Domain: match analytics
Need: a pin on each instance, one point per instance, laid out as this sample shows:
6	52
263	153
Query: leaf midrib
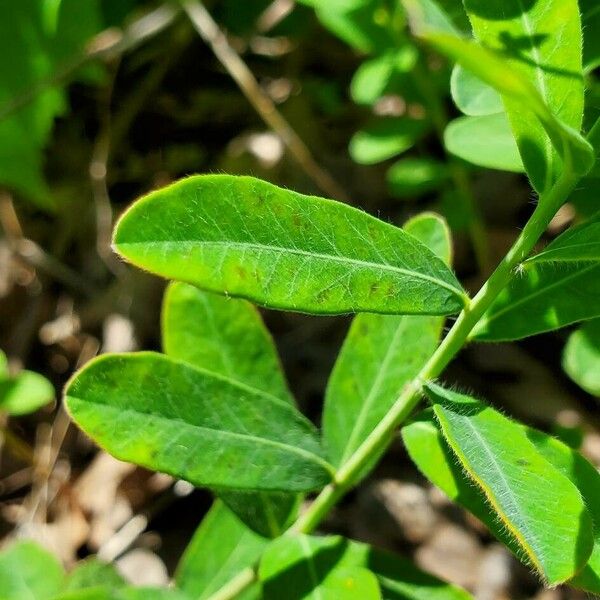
265	441
317	255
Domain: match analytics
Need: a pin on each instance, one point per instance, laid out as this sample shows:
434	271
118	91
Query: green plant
215	408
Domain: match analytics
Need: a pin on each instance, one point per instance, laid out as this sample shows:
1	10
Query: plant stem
454	341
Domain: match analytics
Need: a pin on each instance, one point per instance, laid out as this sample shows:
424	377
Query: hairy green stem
454	341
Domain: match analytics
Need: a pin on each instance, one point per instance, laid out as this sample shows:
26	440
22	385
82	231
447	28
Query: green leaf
485	141
536	138
385	138
289	559
34	53
168	416
221	547
432	230
149	593
534	47
472	96
28	572
24	393
411	177
557	287
431	15
380	355
363	24
93	572
373	77
301	567
4	374
283	249
590	24
581	357
227	336
430	452
224	335
515	479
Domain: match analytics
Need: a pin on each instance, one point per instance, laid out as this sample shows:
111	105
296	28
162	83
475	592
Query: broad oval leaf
168	416
411	177
228	337
221	547
557	287
472	96
24	393
29	572
516	479
485	141
581	357
302	567
432	455
380	354
532	35
372	79
92	572
386	138
244	237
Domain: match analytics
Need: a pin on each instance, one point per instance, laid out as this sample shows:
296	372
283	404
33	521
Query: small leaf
221	547
535	138
532	40
515	480
557	287
168	416
386	138
248	238
93	572
25	393
380	355
411	177
431	16
28	572
301	567
472	96
581	357
484	141
227	336
373	77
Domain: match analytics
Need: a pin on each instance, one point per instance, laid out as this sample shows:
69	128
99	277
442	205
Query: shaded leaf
374	75
485	141
222	546
385	138
289	558
28	572
283	249
301	567
168	416
557	287
410	177
590	24
380	355
223	335
581	357
533	39
515	479
227	336
472	96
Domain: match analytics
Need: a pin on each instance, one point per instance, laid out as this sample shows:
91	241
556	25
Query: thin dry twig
210	32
